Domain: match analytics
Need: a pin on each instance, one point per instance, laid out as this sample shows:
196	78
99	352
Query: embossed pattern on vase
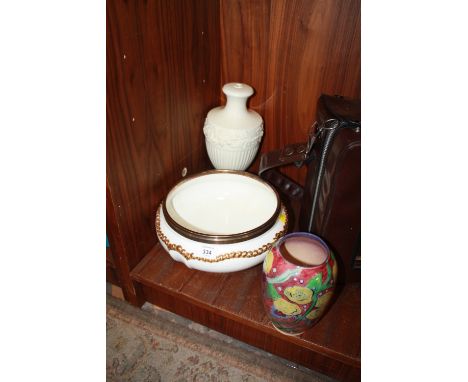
232	149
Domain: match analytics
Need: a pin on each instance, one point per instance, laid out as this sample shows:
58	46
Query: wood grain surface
291	52
163	76
111	271
117	265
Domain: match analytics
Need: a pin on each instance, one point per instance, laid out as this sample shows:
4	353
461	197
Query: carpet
151	345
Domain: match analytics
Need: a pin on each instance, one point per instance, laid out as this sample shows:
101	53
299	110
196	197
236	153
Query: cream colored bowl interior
221	203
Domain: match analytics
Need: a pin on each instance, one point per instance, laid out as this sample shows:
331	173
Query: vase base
286	333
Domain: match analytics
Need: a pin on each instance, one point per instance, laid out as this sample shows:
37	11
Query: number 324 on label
209	252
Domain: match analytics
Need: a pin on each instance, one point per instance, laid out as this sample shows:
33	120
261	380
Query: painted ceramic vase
296	296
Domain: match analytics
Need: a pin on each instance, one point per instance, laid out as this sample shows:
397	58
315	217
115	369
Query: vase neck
236	105
237	95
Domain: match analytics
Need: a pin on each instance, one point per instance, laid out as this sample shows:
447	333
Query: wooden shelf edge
136	276
351	361
275	345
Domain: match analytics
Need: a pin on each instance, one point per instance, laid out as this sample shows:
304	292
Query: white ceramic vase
233	132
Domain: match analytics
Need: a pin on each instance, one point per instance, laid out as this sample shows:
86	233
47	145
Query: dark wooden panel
109	260
245	29
111	273
111	276
291	52
163	75
117	268
332	346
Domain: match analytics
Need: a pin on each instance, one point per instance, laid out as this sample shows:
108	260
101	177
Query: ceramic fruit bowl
220	221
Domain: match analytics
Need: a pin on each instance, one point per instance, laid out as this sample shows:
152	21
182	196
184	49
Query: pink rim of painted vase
307	235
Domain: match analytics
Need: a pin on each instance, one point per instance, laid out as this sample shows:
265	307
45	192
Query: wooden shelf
231	303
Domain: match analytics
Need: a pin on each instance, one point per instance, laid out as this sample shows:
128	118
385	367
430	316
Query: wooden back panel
291	52
163	75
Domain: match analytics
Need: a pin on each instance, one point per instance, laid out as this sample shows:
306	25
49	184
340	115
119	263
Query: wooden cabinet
166	63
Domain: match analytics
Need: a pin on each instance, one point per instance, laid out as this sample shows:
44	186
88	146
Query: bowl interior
222	203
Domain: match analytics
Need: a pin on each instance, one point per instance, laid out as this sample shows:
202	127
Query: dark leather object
330	201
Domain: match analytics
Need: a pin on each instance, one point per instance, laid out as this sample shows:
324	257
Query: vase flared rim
310	236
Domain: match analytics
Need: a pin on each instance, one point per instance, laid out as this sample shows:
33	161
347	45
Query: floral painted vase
296	296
